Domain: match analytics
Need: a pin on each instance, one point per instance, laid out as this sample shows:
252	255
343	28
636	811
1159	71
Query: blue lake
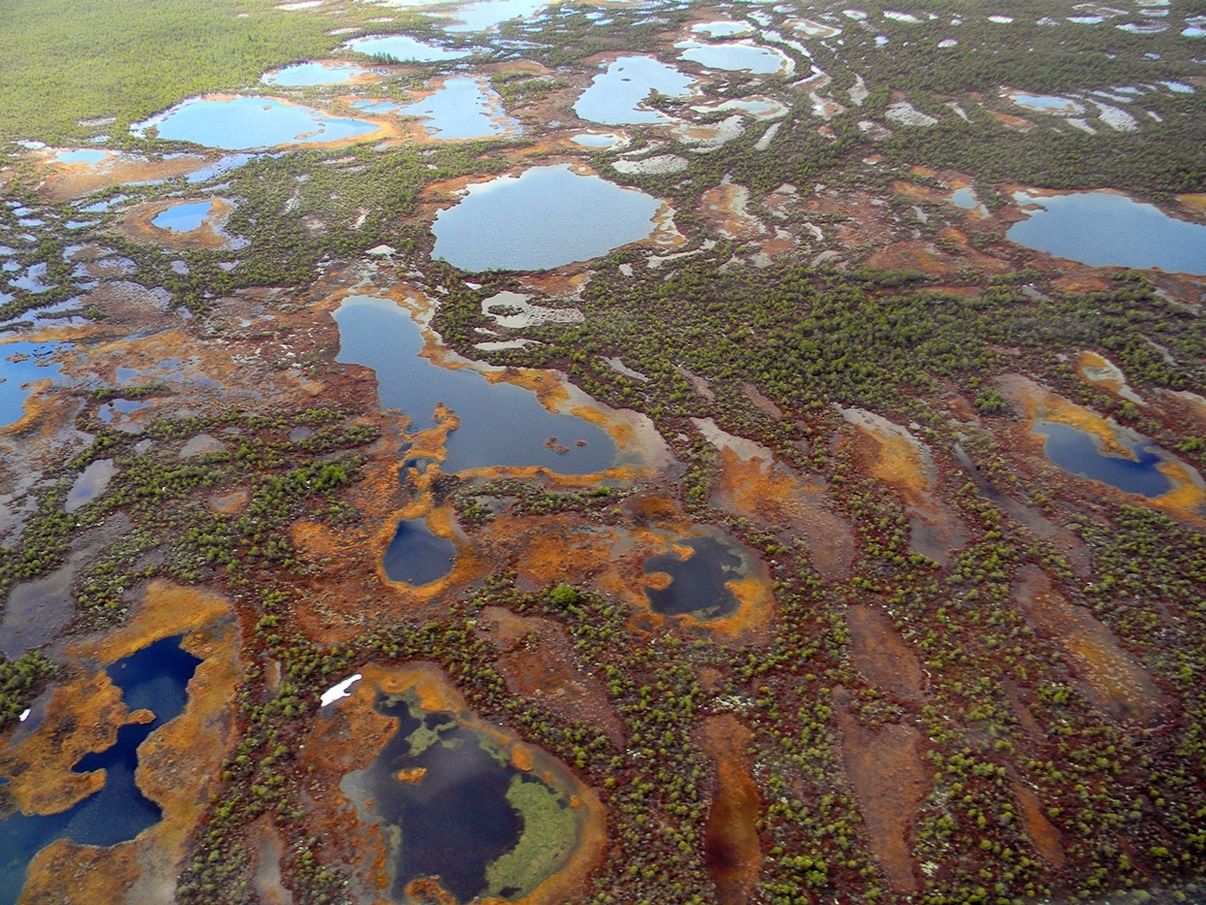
404	49
183	218
699	584
81	156
416	556
965	198
1103	229
1080	453
614	96
17	374
500	423
733	57
462	108
544	218
301	75
242	123
594	140
155	678
487	15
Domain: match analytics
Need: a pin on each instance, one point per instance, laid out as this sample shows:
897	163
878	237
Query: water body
89	157
722	29
155	678
544	218
447	797
90	483
699	584
500	423
462	107
487	15
1046	103
734	57
34	363
1103	229
243	123
416	556
404	49
183	218
965	198
1080	453
597	140
614	97
301	75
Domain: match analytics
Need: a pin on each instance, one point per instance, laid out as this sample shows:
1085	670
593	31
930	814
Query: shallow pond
489	14
183	218
89	484
241	123
454	806
544	218
1104	229
404	49
614	97
1081	453
597	140
735	57
1045	103
699	584
155	678
724	29
302	75
462	107
500	423
415	556
965	198
89	157
34	362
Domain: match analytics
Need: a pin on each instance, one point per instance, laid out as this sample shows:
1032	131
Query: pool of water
449	800
965	198
183	218
90	483
416	556
500	423
242	123
90	157
301	75
1103	229
724	29
35	363
404	49
699	584
614	96
155	678
487	15
597	140
1081	454
1045	103
462	107
544	218
735	57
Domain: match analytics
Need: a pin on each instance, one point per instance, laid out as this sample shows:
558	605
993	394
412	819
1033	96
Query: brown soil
731	847
881	655
1047	840
885	770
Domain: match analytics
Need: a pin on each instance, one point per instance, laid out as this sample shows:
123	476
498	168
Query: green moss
549	834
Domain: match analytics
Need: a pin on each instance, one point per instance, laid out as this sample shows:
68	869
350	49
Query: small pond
500	423
544	218
698	584
1081	453
415	556
614	97
965	198
241	123
155	678
453	806
34	362
487	15
89	484
1103	229
1045	103
87	156
603	140
183	218
404	49
301	75
462	107
735	57
724	29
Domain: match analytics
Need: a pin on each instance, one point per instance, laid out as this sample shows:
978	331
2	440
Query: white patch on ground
767	137
1001	20
905	114
339	690
301	4
874	130
858	91
896	16
528	315
501	345
25	714
712	135
661	165
758	107
856	14
947	42
1118	120
1082	125
1110	373
617	365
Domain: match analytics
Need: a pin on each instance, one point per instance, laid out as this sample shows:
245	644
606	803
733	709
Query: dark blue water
698	585
155	678
500	423
1102	229
15	375
455	820
416	556
543	218
1080	453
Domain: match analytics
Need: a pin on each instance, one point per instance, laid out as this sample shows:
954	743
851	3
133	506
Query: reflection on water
1101	228
544	218
500	423
155	678
698	584
415	556
1081	453
22	364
